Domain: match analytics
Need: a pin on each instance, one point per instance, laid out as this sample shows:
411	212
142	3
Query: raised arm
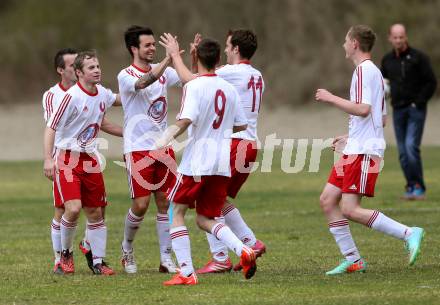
363	110
193	52
169	42
152	75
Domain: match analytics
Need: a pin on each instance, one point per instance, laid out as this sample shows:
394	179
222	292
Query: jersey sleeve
263	85
240	116
364	85
172	77
46	105
126	82
60	113
190	105
111	97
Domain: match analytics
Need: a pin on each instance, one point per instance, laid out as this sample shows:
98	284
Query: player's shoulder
55	89
224	69
72	91
255	71
129	71
210	81
225	85
102	88
48	91
368	68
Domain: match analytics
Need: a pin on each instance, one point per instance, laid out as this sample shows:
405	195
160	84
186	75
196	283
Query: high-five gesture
171	45
193	45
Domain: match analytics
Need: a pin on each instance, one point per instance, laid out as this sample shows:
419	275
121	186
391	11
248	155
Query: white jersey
78	117
213	106
249	84
145	110
51	99
365	135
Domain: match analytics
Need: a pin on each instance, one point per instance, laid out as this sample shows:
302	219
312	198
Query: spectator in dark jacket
412	83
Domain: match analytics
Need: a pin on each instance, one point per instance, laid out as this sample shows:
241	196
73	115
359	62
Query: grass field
282	208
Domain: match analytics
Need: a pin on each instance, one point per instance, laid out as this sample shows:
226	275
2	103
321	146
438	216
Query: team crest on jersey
85	109
102	106
88	135
158	109
72	117
162	80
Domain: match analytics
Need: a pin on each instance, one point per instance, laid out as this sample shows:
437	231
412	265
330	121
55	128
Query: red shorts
78	176
243	154
208	195
150	171
356	174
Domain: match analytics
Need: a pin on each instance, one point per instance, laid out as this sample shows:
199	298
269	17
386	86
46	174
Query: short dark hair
208	52
246	41
78	64
364	35
59	57
131	36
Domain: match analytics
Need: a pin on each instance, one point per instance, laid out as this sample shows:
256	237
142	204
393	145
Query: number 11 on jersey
256	86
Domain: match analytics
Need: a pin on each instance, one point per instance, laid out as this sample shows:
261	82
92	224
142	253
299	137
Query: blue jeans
408	126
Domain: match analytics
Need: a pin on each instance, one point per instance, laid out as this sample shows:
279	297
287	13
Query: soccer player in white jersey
143	87
74	164
355	174
210	111
63	60
248	81
51	98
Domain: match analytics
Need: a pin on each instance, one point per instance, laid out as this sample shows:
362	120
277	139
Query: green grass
282	208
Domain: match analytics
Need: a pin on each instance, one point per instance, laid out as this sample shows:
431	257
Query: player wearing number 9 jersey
248	81
211	111
143	88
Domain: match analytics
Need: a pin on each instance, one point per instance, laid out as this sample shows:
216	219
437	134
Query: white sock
132	223
384	224
234	220
224	234
68	230
341	232
163	234
55	233
97	235
218	249
182	249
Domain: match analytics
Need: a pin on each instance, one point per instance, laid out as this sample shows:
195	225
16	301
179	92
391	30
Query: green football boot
349	267
413	244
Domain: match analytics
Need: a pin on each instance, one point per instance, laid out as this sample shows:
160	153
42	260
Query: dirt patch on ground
21	127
